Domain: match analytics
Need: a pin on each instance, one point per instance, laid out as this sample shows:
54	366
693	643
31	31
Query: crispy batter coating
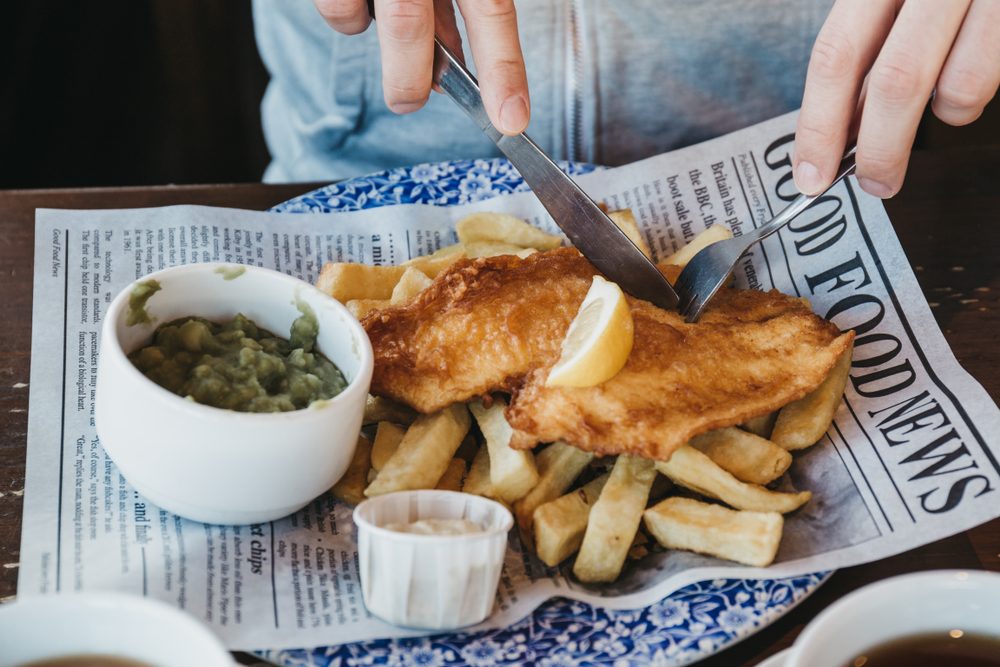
481	326
752	352
497	324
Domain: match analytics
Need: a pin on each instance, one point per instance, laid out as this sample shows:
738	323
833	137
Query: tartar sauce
437	527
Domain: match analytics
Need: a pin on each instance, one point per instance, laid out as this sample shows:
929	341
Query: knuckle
833	56
405	96
814	132
498	10
964	88
355	26
505	70
897	78
877	162
338	12
406	20
956	117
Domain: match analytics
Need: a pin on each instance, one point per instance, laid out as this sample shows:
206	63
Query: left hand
873	68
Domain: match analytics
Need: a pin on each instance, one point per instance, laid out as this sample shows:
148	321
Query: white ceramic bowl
215	465
432	582
936	601
124	626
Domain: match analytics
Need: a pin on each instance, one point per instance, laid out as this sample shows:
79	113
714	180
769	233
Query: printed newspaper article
911	456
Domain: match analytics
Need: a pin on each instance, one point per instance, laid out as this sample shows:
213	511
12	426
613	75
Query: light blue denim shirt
611	82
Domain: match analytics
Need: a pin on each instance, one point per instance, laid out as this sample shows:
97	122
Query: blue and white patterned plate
688	625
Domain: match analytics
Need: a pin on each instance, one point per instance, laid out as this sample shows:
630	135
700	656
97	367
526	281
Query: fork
711	267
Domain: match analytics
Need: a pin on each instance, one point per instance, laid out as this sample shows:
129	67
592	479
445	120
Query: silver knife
586	225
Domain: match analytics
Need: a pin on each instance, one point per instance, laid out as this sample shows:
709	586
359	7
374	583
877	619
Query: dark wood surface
947	217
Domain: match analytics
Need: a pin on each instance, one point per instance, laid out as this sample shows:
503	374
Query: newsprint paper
911	456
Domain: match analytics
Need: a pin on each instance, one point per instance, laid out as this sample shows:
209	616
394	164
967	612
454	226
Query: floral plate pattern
690	624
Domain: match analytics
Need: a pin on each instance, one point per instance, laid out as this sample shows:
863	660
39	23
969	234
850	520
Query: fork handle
802	202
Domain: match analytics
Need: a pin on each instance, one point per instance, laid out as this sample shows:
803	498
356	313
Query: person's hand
874	66
406	35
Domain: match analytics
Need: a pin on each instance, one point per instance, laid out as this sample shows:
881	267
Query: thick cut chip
351	487
512	472
378	409
360	308
558	466
614	520
411	283
455	249
424	453
433	264
387	439
494	249
504	228
751	538
453	476
762	425
713	234
346	281
747	457
802	423
625	221
497	324
477	482
560	524
694	470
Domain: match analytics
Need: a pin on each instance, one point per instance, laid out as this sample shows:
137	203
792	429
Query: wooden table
948	218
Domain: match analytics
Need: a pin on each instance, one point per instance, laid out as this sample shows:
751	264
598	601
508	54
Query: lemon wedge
598	341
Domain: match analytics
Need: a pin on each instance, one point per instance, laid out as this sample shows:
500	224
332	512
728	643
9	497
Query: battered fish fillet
481	326
497	324
750	353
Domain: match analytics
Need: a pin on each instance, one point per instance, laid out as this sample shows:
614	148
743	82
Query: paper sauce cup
431	582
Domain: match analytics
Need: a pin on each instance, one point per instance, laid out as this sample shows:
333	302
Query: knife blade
587	226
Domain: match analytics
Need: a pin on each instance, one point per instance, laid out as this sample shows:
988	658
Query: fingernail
807	178
513	115
873	187
405	107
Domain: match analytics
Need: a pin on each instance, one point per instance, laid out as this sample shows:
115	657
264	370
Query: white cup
431	582
911	604
124	626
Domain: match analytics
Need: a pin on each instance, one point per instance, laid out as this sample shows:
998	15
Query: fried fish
480	327
497	324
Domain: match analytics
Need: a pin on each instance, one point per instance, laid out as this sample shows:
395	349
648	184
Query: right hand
406	36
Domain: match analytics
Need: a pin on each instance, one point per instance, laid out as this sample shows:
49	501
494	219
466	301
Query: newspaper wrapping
911	456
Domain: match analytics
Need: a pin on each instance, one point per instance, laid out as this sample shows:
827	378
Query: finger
446	27
845	48
852	132
406	43
492	28
899	87
971	74
346	16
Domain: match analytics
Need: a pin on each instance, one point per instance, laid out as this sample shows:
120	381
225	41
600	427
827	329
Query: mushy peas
240	366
